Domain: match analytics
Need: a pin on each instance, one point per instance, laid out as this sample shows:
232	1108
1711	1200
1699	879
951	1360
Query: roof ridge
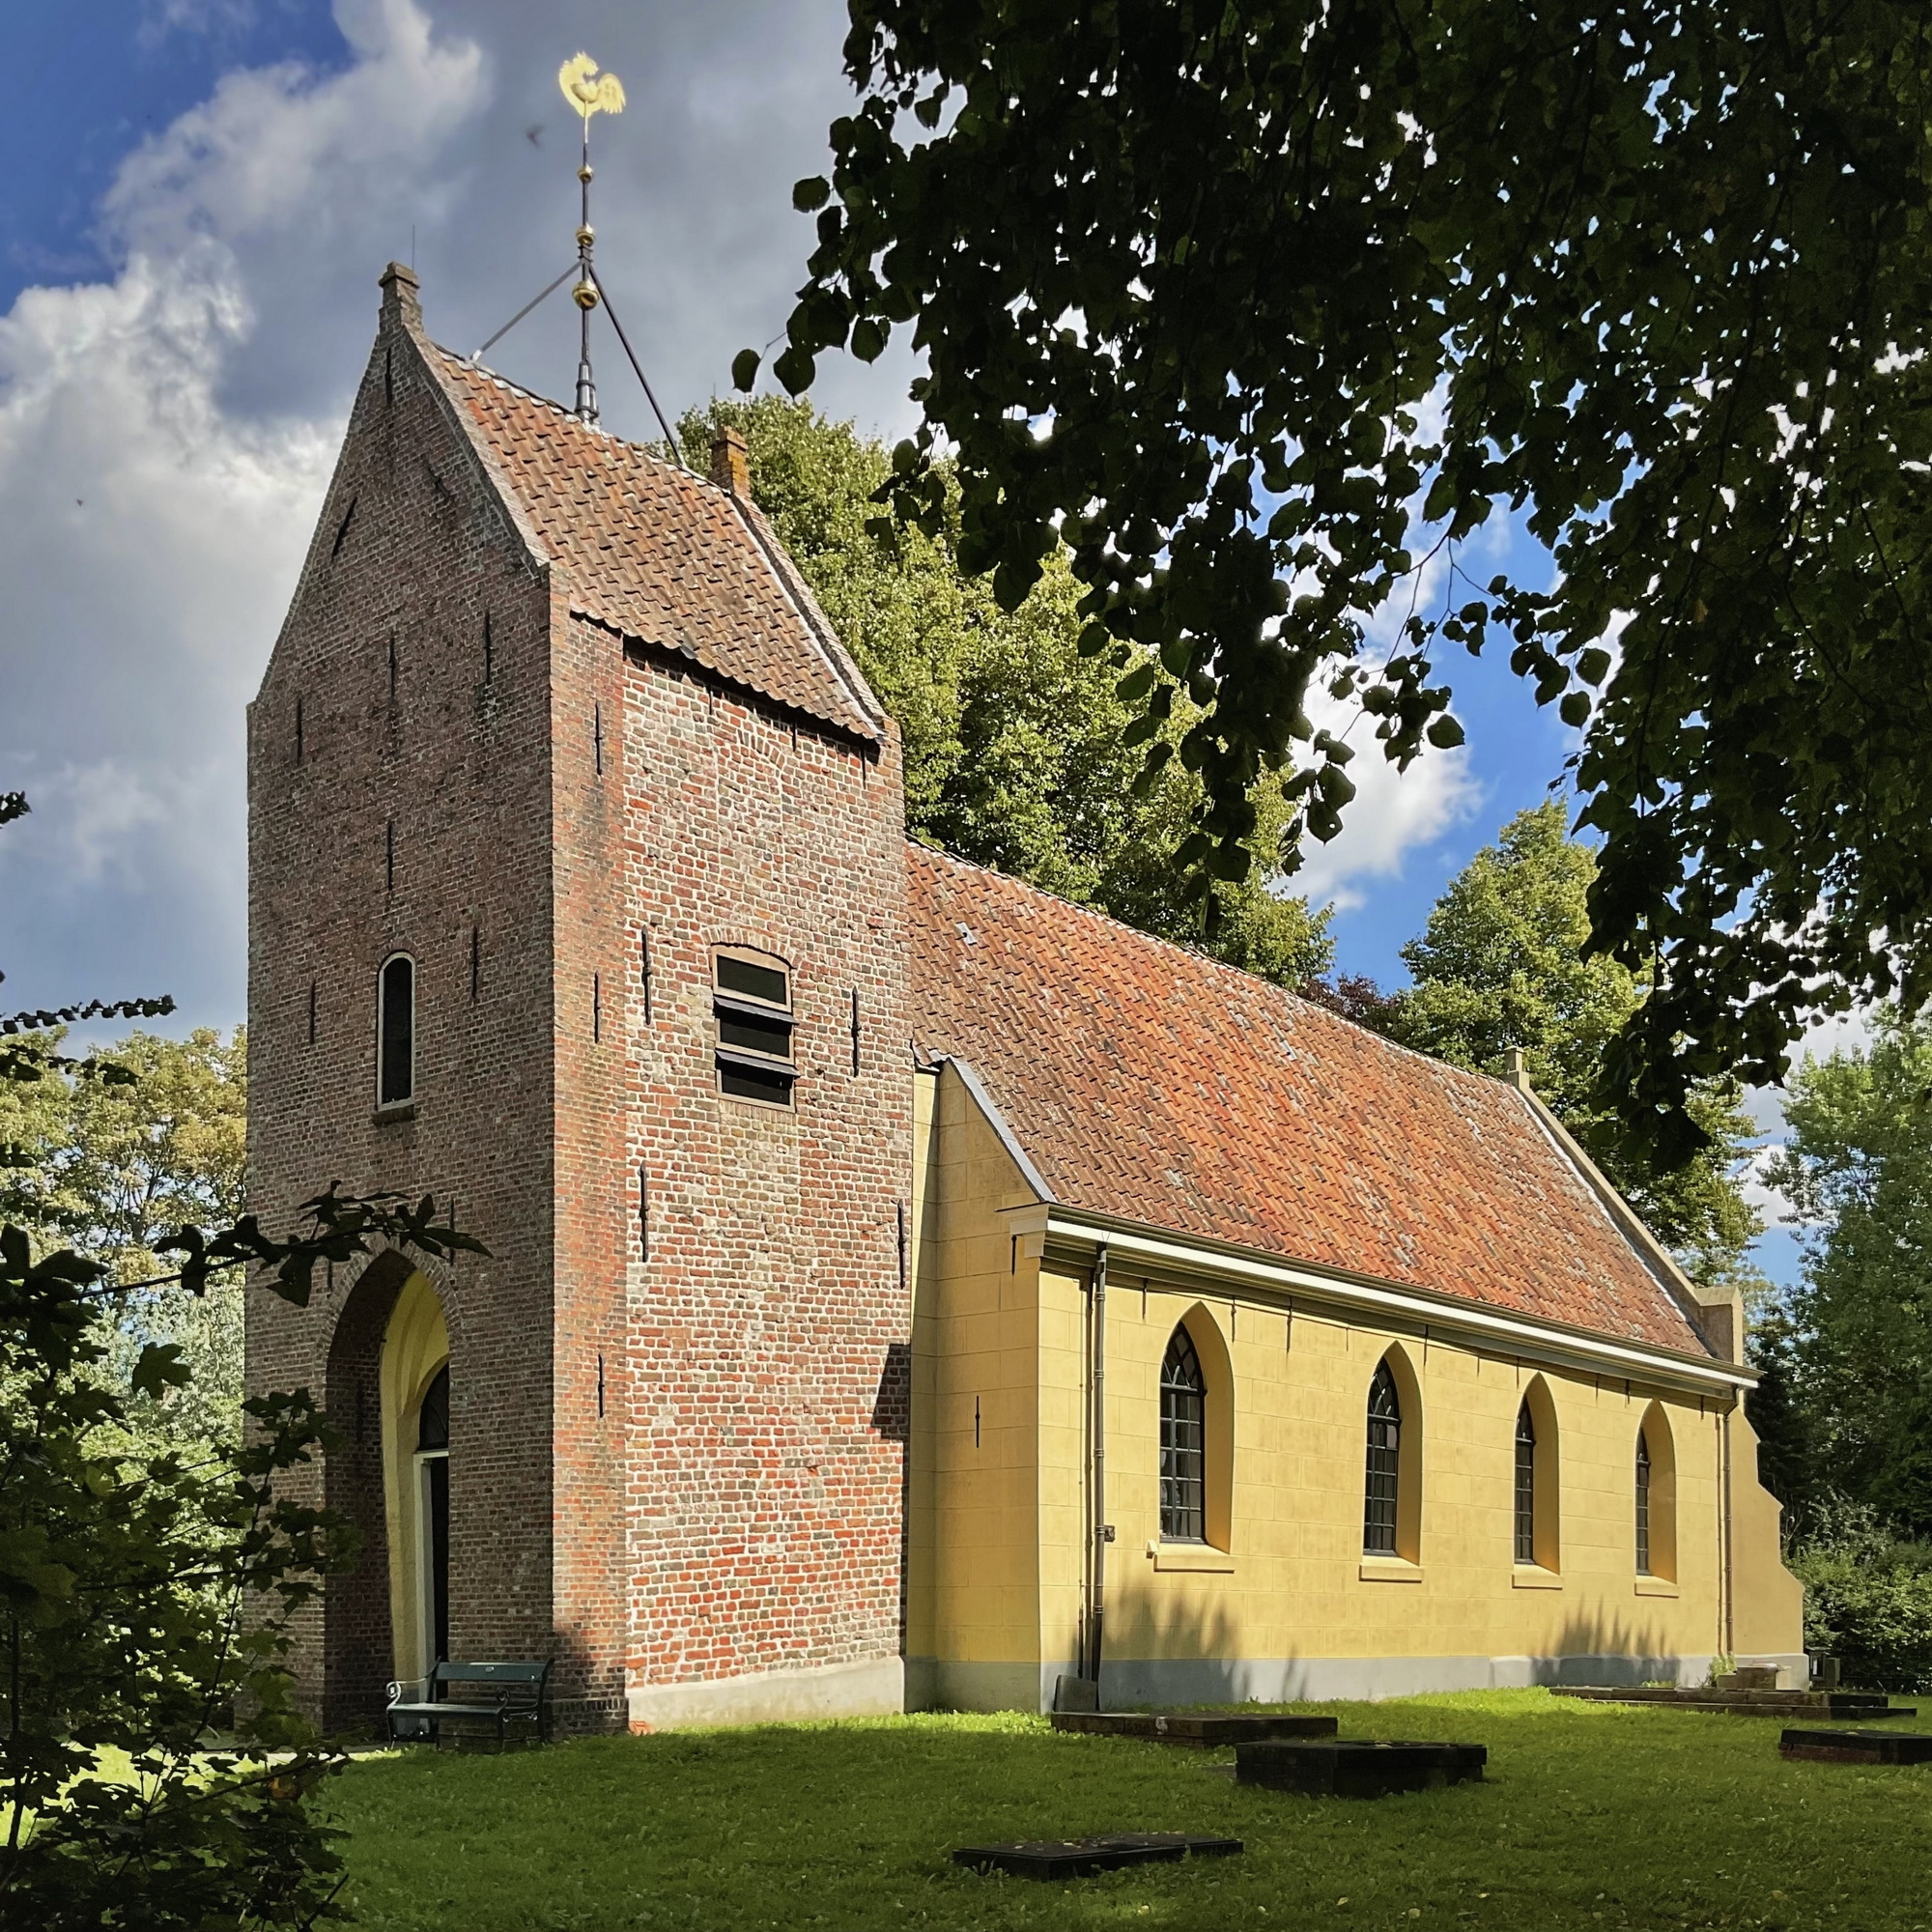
644	449
1203	958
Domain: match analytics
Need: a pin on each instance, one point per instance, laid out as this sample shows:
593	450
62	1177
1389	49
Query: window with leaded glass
1184	1443
1385	1465
1642	1505
1526	1486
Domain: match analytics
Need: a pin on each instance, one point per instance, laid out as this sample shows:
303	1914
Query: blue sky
198	196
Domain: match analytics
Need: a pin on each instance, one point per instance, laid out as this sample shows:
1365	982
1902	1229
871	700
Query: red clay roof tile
661	556
1152	1084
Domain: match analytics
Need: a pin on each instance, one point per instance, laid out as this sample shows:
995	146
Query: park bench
510	1693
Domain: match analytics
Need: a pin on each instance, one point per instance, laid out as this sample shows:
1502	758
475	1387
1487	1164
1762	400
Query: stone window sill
1200	1558
1533	1577
1656	1587
1390	1570
396	1109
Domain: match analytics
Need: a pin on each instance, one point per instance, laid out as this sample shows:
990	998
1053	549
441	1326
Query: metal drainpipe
1101	1533
1730	1579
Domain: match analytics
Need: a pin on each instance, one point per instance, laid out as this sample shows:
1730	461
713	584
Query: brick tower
578	898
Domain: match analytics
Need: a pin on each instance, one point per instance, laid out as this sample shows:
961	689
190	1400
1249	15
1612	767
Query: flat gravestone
1860	1706
1197	1730
1080	1858
1356	1767
1857	1747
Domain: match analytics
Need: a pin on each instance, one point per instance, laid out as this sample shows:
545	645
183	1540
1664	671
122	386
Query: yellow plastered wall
1294	1582
999	1521
973	1636
415	1346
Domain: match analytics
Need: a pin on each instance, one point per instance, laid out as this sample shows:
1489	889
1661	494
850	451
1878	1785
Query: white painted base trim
938	1684
873	1687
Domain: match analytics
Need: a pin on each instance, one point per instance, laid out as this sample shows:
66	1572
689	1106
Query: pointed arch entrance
390	1344
415	1476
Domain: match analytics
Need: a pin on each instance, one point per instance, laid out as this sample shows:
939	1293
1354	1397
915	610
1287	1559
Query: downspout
1100	1530
1731	1579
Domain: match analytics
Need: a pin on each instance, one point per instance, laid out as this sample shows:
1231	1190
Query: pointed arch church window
1381	1485
1525	1484
1643	1568
1184	1443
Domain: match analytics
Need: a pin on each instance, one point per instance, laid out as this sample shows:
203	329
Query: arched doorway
415	1477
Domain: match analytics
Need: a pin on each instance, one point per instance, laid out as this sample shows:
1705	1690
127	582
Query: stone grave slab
1356	1767
1081	1858
1856	1746
1196	1730
1858	1706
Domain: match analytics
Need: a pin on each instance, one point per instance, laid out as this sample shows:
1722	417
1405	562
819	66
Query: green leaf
795	369
810	193
158	1368
745	370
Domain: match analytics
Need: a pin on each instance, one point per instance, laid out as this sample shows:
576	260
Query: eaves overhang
1073	1235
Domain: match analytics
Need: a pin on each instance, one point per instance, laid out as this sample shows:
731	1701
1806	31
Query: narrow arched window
1385	1465
1183	1451
1525	1484
1642	1505
396	1032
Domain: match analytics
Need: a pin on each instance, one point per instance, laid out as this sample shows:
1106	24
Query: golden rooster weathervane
589	92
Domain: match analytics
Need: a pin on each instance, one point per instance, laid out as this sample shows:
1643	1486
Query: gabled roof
1149	1084
659	555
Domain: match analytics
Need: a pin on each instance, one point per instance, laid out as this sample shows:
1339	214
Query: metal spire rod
671	438
478	355
585	291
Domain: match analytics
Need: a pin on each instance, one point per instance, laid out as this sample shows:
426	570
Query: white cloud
165	436
1392	814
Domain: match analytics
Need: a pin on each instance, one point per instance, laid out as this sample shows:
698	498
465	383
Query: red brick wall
458	763
768	1326
737	1507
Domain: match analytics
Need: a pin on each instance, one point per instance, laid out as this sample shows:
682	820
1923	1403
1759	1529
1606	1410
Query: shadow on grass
1591	1815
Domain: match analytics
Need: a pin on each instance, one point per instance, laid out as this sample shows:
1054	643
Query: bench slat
491	1673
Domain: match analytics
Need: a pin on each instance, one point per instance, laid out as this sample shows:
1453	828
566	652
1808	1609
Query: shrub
1869	1600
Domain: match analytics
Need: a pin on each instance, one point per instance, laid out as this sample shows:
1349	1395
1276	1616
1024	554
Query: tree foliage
1505	963
109	1168
153	1774
1858	1169
154	1769
1019	751
1252	307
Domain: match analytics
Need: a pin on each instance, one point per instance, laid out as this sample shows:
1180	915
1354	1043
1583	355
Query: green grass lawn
1591	1815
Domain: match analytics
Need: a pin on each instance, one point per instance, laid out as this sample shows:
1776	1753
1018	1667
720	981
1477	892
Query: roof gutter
1078	1234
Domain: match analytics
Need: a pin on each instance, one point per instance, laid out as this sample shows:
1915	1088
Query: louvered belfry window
1184	1443
1385	1465
1642	1505
752	1001
1526	1486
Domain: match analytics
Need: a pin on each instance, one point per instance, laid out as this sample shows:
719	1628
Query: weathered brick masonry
678	1409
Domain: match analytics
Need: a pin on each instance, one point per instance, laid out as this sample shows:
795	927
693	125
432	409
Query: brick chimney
730	469
402	297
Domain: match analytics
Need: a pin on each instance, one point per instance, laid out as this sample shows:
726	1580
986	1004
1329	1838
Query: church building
904	1288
